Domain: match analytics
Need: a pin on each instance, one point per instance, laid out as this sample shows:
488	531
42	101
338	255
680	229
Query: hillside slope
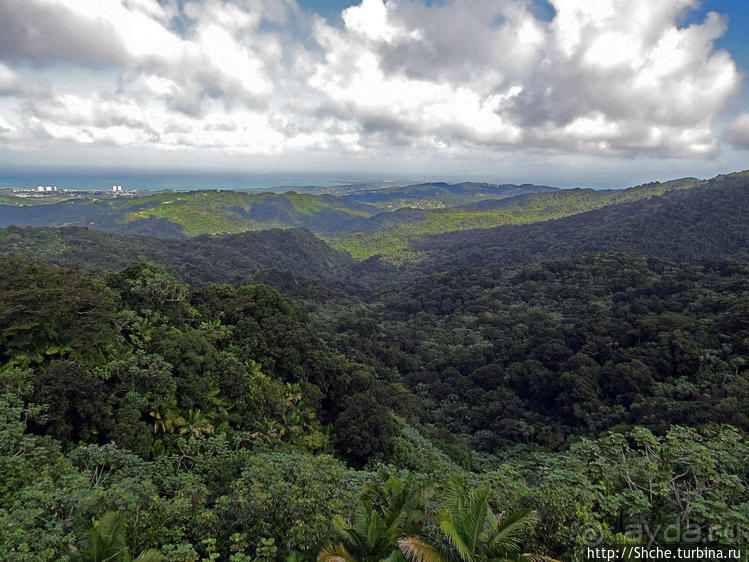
364	223
390	235
441	194
200	260
692	225
180	214
704	223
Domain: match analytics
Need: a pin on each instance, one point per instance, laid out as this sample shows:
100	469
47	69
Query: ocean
158	180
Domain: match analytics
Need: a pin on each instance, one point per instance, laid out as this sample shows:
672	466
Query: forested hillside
560	348
363	223
700	223
707	222
199	260
441	194
180	214
260	396
197	422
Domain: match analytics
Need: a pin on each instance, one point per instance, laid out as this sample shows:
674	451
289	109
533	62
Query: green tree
291	498
396	500
369	538
194	425
474	533
106	542
391	509
365	429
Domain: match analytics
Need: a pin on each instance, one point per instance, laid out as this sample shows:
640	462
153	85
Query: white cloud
611	77
118	120
737	131
5	127
9	81
607	77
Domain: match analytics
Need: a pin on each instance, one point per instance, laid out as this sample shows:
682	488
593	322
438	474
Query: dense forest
513	393
361	222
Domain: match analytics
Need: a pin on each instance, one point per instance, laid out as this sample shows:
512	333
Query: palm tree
368	539
167	419
387	527
105	542
474	533
195	425
392	497
390	510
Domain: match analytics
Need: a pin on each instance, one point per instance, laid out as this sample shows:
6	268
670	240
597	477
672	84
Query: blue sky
565	92
735	37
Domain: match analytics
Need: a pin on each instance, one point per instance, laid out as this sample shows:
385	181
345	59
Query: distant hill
686	220
705	223
362	222
192	213
441	194
390	235
199	260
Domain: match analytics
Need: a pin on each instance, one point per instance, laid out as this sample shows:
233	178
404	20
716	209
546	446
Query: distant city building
117	188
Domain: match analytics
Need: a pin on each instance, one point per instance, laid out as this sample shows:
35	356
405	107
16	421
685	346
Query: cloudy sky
605	92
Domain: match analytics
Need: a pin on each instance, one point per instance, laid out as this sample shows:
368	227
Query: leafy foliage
534	406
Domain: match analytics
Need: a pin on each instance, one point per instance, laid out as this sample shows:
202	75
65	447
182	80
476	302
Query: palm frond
453	534
150	555
475	517
394	556
417	550
454	493
528	557
335	553
111	528
508	530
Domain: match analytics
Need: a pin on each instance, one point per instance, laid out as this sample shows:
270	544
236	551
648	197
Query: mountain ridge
690	225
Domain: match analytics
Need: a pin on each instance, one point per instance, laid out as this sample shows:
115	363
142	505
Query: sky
608	93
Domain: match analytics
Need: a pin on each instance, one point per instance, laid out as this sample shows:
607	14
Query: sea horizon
150	180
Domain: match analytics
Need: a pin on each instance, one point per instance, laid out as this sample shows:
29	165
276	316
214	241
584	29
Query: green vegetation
144	418
381	222
580	346
196	212
198	260
260	396
439	195
393	241
391	246
206	212
178	214
690	225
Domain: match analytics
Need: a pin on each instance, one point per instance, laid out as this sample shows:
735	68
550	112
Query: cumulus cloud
44	32
737	131
5	127
184	54
608	77
9	81
611	77
118	120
